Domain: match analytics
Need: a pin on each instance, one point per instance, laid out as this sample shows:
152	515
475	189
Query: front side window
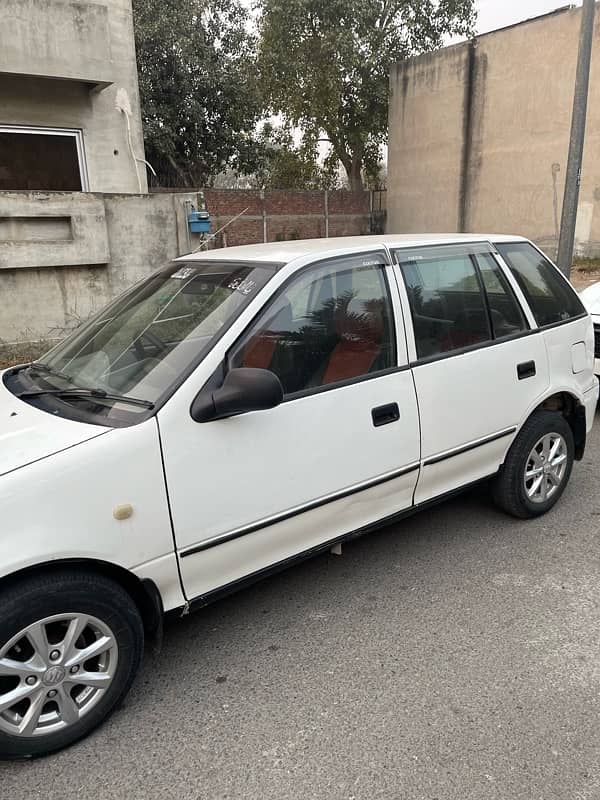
446	301
145	342
550	297
331	323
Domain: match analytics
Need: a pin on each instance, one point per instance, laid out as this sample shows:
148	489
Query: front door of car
479	369
339	453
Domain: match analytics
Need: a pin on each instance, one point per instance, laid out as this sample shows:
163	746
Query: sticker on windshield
244	286
184	273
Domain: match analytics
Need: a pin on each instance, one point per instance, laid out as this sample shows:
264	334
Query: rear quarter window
550	297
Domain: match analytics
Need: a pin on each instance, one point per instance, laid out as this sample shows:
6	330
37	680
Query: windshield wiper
39	366
98	394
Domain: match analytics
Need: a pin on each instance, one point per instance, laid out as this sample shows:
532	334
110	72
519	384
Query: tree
198	90
325	64
287	165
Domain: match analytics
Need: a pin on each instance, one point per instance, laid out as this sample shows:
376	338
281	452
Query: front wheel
70	645
537	468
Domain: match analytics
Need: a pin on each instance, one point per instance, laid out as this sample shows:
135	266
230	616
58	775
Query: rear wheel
70	646
538	466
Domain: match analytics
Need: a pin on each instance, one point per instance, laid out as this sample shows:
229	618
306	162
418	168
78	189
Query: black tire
509	488
27	601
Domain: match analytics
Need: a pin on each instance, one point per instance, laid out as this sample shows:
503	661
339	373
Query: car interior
342	328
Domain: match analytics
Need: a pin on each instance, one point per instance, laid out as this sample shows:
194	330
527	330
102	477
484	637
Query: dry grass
22	352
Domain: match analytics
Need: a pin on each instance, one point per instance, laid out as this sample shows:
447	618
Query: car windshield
144	342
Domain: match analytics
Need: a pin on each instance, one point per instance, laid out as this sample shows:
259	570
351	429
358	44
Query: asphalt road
452	657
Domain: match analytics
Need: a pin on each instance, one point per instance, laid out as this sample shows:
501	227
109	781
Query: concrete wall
479	135
61	65
141	233
57	40
426	142
65	255
54	229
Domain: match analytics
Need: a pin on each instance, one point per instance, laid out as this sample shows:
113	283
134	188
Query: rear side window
550	297
506	314
446	301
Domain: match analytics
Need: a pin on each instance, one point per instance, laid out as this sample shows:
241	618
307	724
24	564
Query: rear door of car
478	367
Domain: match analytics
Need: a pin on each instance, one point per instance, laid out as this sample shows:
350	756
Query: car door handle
526	370
384	415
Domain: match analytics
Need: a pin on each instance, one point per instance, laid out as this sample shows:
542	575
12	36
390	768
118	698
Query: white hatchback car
244	408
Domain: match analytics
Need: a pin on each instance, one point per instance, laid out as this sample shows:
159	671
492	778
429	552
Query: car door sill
247	580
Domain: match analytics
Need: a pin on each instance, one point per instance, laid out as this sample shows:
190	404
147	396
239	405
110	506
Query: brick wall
285	215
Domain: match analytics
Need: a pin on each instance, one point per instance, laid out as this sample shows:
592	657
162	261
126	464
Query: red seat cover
350	360
357	350
259	351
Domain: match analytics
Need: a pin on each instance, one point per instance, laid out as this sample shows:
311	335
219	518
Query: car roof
284	252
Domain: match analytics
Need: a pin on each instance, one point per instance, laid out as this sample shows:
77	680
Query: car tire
537	468
56	629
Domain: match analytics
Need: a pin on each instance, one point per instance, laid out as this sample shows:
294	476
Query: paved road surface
452	657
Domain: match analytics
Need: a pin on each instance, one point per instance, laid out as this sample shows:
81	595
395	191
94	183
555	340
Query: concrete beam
64	40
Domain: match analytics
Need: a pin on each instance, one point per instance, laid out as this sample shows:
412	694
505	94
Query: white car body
591	300
197	508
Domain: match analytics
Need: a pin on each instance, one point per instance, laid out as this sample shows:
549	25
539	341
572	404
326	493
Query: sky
499	13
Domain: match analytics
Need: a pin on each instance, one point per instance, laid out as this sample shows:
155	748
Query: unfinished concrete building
64	68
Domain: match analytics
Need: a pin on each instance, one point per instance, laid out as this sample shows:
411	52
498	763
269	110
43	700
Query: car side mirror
243	390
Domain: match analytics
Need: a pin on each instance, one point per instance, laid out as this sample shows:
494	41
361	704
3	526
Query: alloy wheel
53	672
546	467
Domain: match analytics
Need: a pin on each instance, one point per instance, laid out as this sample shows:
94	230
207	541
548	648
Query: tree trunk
352	164
354	172
356	183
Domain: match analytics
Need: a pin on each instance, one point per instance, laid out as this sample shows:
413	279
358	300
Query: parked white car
591	300
245	408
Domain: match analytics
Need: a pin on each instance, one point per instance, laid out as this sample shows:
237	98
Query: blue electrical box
199	222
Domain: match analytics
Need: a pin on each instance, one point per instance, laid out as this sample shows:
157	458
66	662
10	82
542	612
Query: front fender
62	508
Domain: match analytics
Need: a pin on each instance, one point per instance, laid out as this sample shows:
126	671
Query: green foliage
324	64
286	165
198	89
